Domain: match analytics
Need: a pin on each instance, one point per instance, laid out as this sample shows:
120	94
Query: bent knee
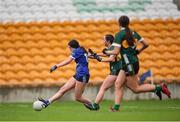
136	90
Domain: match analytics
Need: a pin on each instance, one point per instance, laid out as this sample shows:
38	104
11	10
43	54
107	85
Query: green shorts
115	71
115	67
134	66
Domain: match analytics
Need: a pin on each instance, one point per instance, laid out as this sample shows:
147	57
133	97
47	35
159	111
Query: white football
38	105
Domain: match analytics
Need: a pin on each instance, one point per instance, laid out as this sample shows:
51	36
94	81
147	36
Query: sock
116	106
158	89
96	106
47	102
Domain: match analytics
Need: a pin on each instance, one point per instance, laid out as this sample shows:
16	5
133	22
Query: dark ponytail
124	22
84	50
129	37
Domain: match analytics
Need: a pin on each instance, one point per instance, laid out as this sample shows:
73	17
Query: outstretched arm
110	59
63	63
102	54
113	52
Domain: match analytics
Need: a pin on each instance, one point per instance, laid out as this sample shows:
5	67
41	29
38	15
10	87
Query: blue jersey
81	59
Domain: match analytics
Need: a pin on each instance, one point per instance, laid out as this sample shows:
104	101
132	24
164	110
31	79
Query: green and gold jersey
120	41
116	65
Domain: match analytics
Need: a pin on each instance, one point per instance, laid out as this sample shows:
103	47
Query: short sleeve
137	36
75	55
111	48
118	39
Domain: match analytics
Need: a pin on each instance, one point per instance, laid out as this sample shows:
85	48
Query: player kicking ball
79	80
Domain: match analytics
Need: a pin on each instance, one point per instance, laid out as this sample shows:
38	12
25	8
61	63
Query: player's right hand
53	68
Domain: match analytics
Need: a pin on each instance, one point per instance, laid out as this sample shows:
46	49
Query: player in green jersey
115	66
125	43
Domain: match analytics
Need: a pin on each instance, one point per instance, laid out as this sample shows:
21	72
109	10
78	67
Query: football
38	105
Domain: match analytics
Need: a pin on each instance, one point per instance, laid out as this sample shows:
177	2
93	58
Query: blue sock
47	102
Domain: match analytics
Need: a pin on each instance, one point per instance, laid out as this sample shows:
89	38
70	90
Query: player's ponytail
124	22
84	49
129	37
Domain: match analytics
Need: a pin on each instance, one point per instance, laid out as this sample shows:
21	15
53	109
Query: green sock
96	106
116	106
158	89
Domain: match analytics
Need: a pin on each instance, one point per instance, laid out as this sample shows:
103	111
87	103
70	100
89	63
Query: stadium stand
34	36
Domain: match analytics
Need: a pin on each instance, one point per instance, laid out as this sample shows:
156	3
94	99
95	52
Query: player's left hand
53	68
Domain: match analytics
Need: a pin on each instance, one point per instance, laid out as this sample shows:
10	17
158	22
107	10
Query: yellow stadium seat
58	29
72	35
161	26
150	27
2	30
4	37
138	27
28	36
80	28
22	30
4	59
173	26
11	30
10	75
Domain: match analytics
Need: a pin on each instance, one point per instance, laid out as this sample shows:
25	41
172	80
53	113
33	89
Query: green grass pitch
73	111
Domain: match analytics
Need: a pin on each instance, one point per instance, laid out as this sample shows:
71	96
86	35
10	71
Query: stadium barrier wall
8	95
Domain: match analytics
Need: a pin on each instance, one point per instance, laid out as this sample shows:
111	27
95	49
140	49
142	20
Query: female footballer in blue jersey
79	80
